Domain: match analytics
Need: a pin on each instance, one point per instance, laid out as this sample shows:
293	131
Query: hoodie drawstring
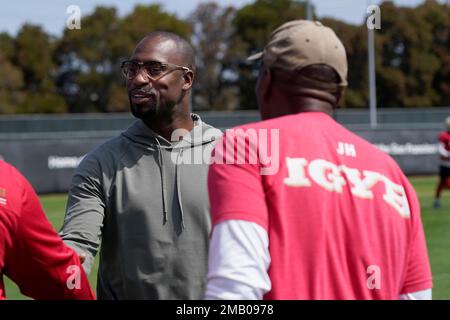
163	187
178	183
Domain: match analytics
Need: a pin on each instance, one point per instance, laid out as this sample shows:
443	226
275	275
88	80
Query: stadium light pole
372	78
308	11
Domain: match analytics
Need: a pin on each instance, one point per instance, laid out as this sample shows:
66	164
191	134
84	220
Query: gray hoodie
145	199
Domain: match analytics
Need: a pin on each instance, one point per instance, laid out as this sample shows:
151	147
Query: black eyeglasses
154	70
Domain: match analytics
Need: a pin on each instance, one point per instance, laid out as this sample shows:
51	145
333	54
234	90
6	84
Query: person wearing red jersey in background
338	219
444	164
31	252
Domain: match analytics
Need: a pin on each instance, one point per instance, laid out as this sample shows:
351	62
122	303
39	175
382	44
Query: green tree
26	73
80	71
412	55
6	45
11	78
253	25
354	39
11	83
438	15
33	55
143	20
211	39
86	61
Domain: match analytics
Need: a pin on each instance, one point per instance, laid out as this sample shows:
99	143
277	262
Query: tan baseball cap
300	43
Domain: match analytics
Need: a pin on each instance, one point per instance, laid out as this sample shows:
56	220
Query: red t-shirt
31	252
342	219
444	139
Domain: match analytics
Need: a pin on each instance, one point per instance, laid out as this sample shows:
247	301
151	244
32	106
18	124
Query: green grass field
436	223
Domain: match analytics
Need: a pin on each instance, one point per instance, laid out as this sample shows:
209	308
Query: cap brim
255	56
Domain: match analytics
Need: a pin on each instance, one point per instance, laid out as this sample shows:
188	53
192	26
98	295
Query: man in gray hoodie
143	194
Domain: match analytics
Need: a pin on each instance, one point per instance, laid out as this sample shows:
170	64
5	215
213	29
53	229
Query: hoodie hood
201	134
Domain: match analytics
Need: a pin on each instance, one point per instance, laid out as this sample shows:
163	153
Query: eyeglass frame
142	64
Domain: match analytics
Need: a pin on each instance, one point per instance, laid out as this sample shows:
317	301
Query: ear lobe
188	79
266	82
340	95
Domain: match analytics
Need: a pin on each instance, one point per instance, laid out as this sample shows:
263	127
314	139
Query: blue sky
51	14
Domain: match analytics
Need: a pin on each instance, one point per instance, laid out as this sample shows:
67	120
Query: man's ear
188	79
340	94
266	82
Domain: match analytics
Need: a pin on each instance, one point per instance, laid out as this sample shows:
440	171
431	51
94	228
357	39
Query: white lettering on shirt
346	149
327	175
297	174
332	178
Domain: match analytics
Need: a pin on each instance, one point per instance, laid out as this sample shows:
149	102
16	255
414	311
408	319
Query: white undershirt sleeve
419	295
241	275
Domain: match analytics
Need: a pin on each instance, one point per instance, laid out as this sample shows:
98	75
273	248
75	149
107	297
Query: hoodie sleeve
85	211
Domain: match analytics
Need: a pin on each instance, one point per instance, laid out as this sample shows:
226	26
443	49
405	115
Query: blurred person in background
444	164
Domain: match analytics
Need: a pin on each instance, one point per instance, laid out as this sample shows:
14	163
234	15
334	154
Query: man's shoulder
10	174
13	187
111	145
374	158
7	169
444	136
373	154
107	151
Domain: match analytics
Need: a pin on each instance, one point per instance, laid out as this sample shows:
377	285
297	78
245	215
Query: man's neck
293	100
312	105
166	126
294	105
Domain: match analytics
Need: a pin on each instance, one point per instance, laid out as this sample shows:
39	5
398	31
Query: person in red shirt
444	164
301	207
31	252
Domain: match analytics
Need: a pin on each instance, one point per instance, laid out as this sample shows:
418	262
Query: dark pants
444	172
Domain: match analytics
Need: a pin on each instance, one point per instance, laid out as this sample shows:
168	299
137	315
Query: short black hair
184	46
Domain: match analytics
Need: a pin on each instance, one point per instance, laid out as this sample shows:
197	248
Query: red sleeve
7	223
236	190
444	137
39	262
418	272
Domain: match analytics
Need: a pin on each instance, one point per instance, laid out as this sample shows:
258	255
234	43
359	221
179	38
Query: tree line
80	70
